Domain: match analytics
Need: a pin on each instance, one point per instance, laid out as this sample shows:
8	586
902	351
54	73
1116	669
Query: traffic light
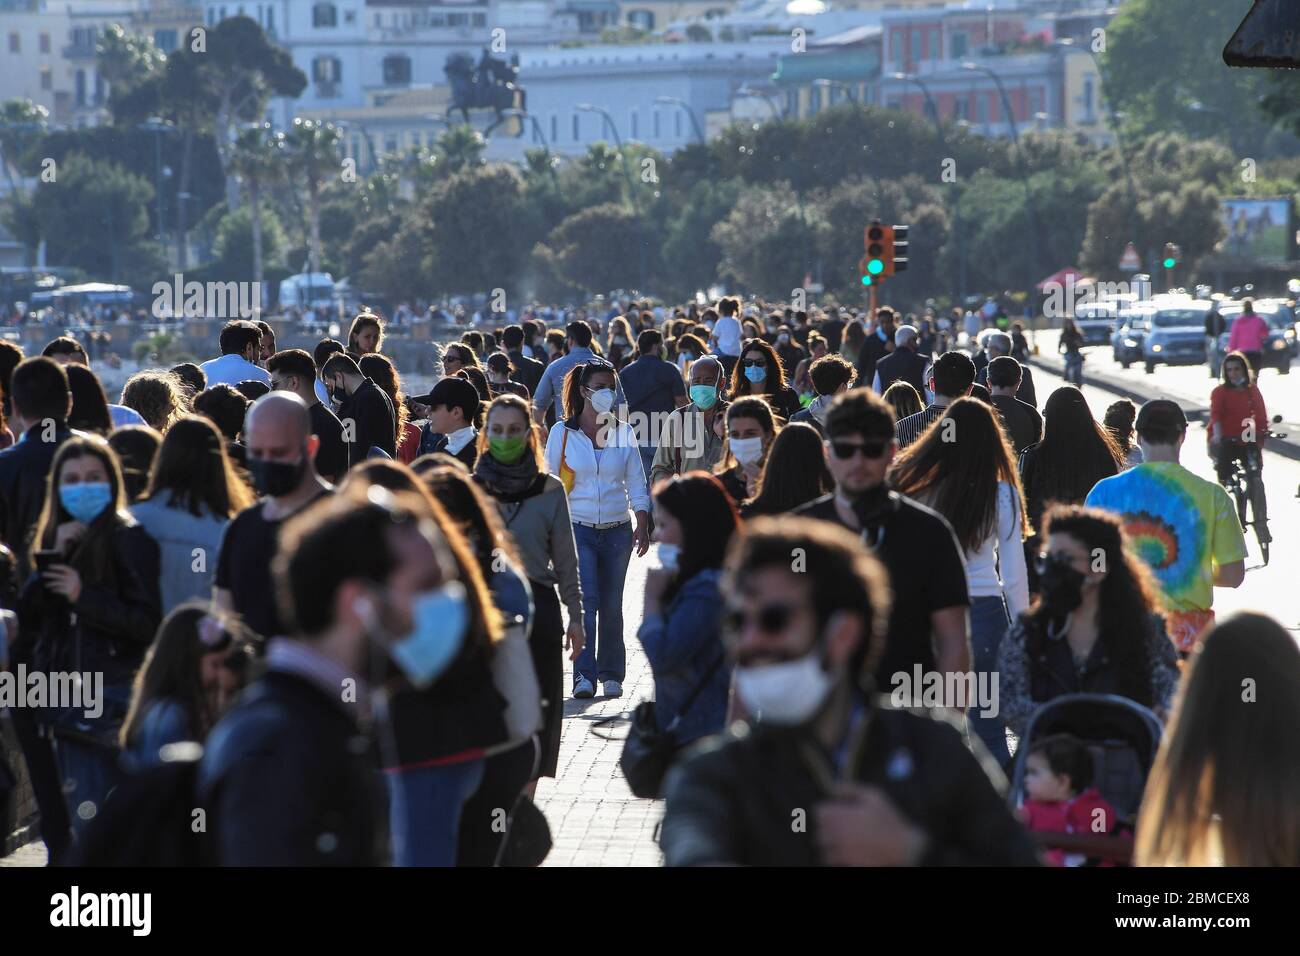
872	266
897	261
1172	255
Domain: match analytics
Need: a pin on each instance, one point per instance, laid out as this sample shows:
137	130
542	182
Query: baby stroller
1123	737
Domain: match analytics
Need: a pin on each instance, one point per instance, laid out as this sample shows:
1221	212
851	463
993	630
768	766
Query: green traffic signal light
875	266
866	280
1170	263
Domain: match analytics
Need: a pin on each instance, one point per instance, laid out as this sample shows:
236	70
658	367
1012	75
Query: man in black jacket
293	370
904	363
42	401
997	345
288	777
453	410
877	345
364	409
825	774
528	372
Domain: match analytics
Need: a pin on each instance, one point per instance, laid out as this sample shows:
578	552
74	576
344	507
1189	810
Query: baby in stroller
1059	796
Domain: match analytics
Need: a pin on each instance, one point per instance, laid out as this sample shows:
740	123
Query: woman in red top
1238	418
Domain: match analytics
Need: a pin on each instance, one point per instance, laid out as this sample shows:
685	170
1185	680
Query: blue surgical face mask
755	373
87	500
704	396
441	619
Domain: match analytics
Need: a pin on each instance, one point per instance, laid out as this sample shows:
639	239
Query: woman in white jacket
598	459
963	467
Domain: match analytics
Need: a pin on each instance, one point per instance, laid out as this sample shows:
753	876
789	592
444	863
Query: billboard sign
1258	230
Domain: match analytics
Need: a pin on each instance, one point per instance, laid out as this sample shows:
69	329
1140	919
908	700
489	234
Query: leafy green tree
234	260
597	249
475	231
460	147
312	148
126	59
259	161
95	217
1165	75
691	253
759	239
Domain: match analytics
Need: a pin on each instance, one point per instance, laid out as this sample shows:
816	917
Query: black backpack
149	818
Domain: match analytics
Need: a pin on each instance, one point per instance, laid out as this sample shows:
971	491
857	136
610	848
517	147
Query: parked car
1126	341
1177	334
1096	321
1281	349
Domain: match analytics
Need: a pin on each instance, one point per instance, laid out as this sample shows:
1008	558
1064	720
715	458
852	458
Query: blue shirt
232	369
123	416
552	382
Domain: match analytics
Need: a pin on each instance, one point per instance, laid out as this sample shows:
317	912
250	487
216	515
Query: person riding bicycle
1238	419
1249	335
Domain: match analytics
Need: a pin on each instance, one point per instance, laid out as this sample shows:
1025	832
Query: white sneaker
583	688
613	688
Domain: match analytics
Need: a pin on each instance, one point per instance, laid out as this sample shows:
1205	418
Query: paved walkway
594	819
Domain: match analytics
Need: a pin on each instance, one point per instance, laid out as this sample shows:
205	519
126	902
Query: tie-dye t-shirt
1177	523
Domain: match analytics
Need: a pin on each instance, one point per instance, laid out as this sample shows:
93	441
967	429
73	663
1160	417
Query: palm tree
461	147
313	150
258	159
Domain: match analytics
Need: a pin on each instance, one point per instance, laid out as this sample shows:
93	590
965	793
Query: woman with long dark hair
759	373
381	370
963	467
178	691
694	524
89	403
193	491
1096	626
904	399
598	460
1075	453
535	511
91	607
366	335
1225	788
750	431
1119	420
795	472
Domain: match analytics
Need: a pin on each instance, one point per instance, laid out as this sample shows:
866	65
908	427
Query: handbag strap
696	691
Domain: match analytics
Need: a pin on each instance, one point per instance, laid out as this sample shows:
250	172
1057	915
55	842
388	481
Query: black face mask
1060	585
276	478
339	394
872	507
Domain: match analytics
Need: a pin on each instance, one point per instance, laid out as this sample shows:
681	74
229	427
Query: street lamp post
631	185
1036	239
679	102
933	110
157	126
752	93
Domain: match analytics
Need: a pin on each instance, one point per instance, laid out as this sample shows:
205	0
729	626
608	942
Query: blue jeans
989	623
88	772
425	806
603	557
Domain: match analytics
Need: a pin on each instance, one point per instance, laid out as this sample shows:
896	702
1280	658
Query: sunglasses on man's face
769	618
755	363
845	450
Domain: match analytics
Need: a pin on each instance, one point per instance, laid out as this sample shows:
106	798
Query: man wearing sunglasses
928	621
824	774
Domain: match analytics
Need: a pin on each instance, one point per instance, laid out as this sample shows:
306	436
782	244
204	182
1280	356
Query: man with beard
916	544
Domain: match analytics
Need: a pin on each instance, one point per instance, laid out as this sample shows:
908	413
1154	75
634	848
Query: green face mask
508	450
704	396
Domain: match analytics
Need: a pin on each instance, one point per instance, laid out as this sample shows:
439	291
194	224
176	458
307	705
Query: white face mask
602	400
784	694
669	555
747	450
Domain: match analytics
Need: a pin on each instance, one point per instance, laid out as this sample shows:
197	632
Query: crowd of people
359	601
